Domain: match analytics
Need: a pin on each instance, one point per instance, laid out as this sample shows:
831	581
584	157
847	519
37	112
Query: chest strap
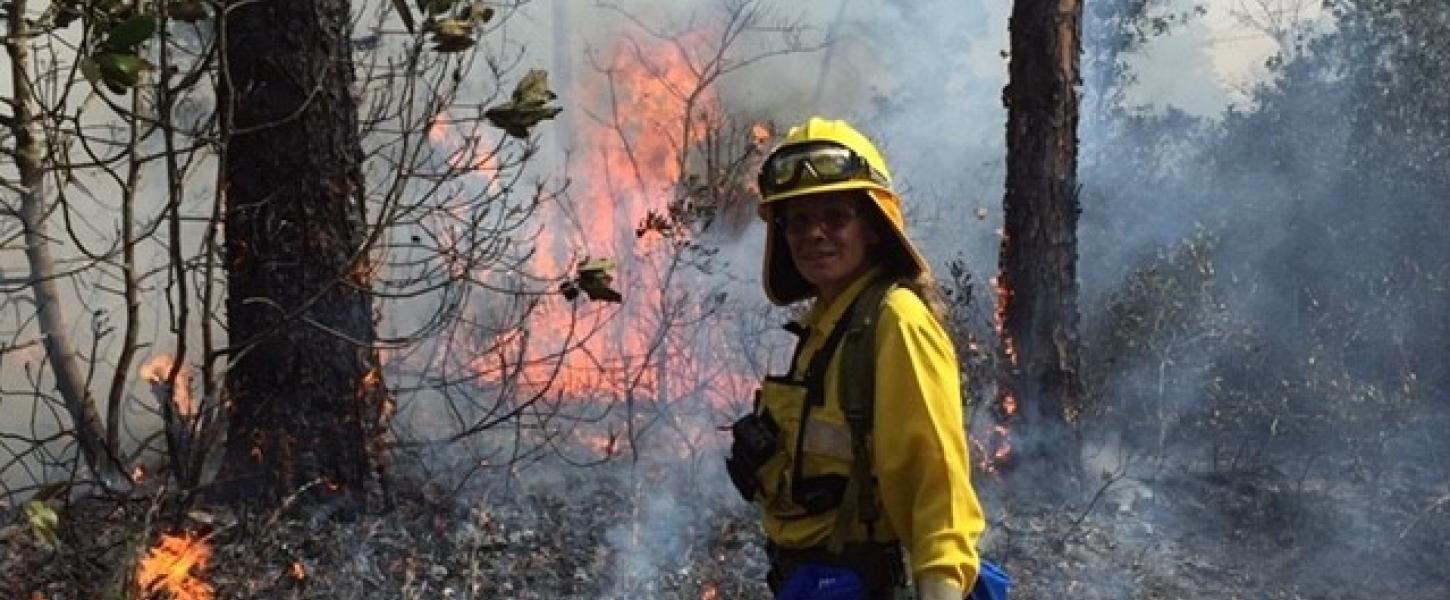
857	384
823	492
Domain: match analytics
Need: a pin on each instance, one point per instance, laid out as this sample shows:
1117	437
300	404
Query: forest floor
1239	536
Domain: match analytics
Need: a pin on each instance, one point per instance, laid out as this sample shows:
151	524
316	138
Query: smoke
663	534
1288	262
1229	243
1256	290
921	78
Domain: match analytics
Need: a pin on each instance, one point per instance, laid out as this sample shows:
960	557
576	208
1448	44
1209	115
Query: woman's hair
897	261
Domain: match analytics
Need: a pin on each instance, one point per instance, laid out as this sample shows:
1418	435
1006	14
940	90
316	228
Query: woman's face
829	236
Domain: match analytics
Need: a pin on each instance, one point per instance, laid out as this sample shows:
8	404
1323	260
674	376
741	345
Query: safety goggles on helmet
819	163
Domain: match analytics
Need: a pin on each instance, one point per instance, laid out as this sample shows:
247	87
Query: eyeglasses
814	164
832	218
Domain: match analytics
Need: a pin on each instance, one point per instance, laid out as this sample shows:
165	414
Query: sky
1204	67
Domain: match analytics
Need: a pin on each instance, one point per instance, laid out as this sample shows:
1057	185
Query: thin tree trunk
1038	275
70	379
304	392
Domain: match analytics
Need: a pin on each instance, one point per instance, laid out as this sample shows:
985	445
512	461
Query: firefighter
835	227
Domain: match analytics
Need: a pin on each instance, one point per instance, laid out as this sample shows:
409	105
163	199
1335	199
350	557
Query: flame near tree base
175	568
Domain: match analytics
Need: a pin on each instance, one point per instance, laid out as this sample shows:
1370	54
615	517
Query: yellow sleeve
920	445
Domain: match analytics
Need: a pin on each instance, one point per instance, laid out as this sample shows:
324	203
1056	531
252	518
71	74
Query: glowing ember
1009	404
297	572
760	133
605	445
712	592
175	567
999	318
138	473
1004	446
155	372
372	377
998	451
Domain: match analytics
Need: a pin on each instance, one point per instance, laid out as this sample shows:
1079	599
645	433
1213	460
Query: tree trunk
1041	391
305	402
30	156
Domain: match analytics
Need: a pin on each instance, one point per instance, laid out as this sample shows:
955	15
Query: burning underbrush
1296	474
614	532
1210	477
574	537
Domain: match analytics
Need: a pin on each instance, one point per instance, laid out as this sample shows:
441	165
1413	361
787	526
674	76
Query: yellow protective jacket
919	449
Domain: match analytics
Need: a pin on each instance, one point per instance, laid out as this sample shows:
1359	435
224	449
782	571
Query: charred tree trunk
1041	391
305	403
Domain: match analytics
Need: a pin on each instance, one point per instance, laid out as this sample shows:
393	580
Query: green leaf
126	35
595	277
451	35
43	521
120	71
528	107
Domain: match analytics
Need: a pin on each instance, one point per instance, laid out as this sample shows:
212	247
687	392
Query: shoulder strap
857	383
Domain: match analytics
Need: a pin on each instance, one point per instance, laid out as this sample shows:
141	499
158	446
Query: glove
937	588
743	477
756	438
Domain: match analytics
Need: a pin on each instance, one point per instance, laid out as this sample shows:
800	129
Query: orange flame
156	370
999	318
474	151
176	566
998	452
761	133
372	381
372	378
712	592
1009	404
297	572
631	170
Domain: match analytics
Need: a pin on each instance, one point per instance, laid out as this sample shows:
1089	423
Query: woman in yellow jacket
834	226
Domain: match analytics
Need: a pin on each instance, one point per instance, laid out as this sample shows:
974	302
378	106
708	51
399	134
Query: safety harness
857	386
878	564
854	336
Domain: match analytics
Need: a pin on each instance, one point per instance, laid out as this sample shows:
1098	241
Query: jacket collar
822	318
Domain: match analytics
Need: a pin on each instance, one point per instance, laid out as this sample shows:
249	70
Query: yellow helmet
819	157
836	155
